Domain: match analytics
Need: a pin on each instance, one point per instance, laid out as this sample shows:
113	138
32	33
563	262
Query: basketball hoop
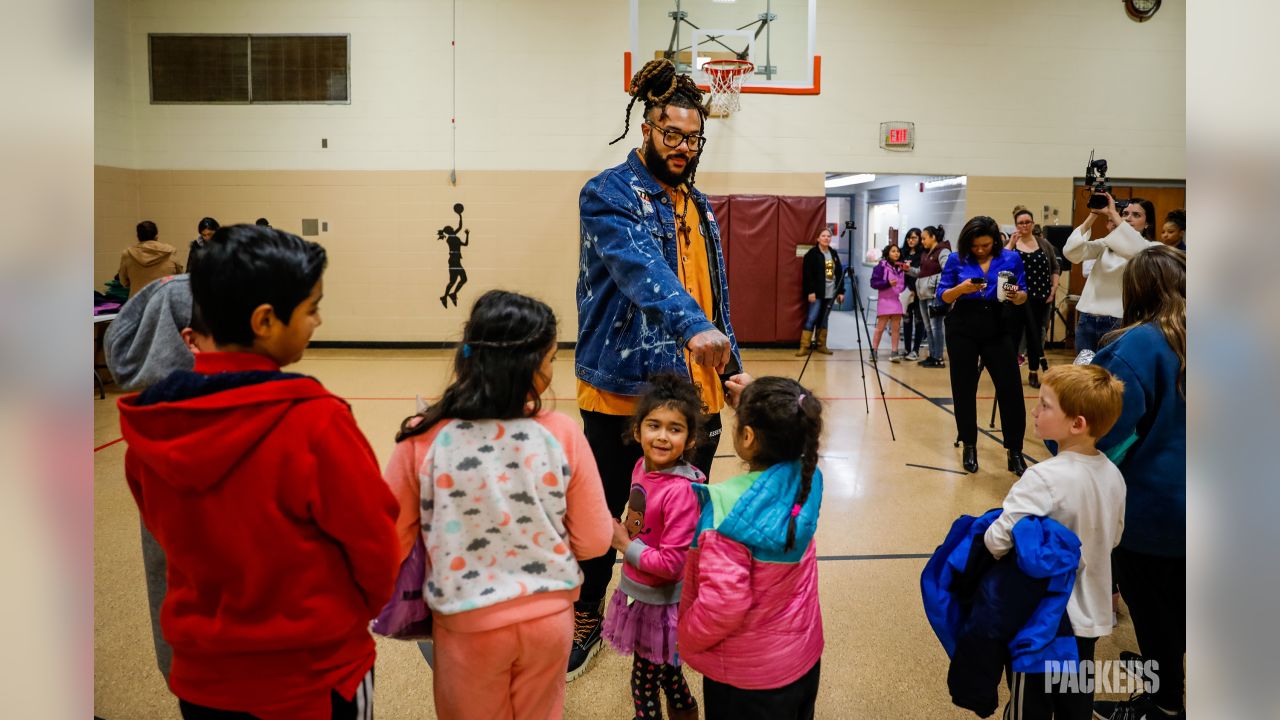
726	83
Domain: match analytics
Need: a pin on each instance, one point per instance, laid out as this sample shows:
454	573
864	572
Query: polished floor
887	504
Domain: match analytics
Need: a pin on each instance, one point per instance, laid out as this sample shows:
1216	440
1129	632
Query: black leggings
650	680
616	459
975	332
1030	323
913	327
1155	590
795	701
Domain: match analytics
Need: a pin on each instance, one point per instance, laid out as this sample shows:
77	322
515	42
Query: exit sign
898	135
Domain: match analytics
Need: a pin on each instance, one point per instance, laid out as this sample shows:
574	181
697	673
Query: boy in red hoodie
268	501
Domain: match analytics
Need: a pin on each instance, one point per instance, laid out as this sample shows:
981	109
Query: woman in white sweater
1100	308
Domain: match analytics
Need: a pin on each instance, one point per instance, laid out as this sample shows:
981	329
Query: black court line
937	402
900	556
930	467
840	558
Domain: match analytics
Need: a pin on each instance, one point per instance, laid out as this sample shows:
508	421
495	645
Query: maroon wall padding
753	277
720	208
799	220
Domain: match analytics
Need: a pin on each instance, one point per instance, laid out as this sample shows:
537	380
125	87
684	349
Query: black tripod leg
857	301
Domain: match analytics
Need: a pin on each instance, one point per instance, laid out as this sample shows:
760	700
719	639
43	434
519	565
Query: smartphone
978	281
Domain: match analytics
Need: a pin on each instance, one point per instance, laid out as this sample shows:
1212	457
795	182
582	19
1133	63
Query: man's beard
658	166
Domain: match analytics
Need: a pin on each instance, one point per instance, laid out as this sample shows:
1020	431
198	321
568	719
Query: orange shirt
693	267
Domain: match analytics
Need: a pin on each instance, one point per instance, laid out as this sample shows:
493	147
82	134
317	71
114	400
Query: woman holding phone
985	282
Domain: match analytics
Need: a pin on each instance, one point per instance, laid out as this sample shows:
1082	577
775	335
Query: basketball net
726	83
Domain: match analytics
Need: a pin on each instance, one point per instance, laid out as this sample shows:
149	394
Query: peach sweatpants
510	673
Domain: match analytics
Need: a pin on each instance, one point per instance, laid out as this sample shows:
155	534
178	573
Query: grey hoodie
144	343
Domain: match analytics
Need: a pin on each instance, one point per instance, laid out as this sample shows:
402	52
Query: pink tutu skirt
638	628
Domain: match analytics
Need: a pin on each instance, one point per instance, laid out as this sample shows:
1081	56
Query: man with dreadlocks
652	297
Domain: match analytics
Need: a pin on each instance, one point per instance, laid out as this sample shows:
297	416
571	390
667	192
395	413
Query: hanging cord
453	112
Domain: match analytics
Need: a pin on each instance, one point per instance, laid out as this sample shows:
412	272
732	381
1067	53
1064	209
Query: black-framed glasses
673	138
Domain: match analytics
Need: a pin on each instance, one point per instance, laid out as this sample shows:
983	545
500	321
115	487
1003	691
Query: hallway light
844	180
961	180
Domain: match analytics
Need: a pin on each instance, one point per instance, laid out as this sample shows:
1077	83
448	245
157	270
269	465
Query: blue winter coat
987	612
634	315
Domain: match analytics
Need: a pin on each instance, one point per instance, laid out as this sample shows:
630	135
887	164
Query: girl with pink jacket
653	539
749	615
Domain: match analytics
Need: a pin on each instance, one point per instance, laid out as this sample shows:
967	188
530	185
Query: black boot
1017	465
970	458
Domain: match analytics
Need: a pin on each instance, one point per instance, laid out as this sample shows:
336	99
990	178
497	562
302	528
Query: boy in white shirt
1082	489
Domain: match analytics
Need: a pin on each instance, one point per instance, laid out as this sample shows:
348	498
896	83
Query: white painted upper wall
995	88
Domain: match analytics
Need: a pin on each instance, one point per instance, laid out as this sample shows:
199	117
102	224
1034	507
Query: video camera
1095	178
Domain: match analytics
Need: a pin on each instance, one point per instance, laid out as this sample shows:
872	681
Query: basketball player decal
457	275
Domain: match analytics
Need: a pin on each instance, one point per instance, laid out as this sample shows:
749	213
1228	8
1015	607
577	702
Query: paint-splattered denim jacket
634	315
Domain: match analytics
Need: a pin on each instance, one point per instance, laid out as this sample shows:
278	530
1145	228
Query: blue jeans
819	313
1090	329
937	335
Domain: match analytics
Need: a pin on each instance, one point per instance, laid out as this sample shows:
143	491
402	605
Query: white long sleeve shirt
1086	494
1102	294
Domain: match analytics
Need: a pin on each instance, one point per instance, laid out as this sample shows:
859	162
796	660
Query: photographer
1101	308
979	278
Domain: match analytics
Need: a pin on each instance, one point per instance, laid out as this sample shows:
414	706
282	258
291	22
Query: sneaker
873	356
932	362
913	356
895	357
586	637
1139	706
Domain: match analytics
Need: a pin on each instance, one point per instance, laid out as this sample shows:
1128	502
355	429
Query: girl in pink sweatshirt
507	499
654	538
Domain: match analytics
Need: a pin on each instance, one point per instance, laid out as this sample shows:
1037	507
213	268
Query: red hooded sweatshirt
278	530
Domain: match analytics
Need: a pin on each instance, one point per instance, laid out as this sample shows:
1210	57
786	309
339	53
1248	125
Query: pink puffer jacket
749	612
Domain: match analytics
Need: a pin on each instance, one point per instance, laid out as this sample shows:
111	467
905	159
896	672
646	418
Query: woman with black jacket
986	284
823	284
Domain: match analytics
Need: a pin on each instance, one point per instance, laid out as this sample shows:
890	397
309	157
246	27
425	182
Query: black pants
976	331
1031	327
616	456
1155	590
1029	699
789	702
913	328
359	707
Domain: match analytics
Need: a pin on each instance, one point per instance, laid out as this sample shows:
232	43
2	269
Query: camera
1095	178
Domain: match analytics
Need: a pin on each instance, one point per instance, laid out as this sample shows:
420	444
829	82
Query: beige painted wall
995	89
999	93
386	268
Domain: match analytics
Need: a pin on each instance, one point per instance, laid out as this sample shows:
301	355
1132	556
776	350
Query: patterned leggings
648	679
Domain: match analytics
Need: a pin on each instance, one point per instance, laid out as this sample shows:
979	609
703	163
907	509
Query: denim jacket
634	315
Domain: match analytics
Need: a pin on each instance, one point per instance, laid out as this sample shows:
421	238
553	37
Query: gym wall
1013	96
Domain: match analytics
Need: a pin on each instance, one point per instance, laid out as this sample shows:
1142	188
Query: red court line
559	399
107	445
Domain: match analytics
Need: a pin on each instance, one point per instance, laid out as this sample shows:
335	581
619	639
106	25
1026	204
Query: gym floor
887	505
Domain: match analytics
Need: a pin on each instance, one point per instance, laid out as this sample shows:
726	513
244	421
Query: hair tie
800	401
466	350
795	510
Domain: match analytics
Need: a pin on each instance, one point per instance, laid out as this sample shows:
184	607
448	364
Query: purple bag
406	616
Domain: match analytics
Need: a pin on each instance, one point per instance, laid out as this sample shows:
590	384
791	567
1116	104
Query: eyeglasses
673	138
1026	222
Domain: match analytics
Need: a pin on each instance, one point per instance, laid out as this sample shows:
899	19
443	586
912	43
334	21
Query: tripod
862	365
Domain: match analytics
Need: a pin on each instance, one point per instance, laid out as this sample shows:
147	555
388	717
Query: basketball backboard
778	36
